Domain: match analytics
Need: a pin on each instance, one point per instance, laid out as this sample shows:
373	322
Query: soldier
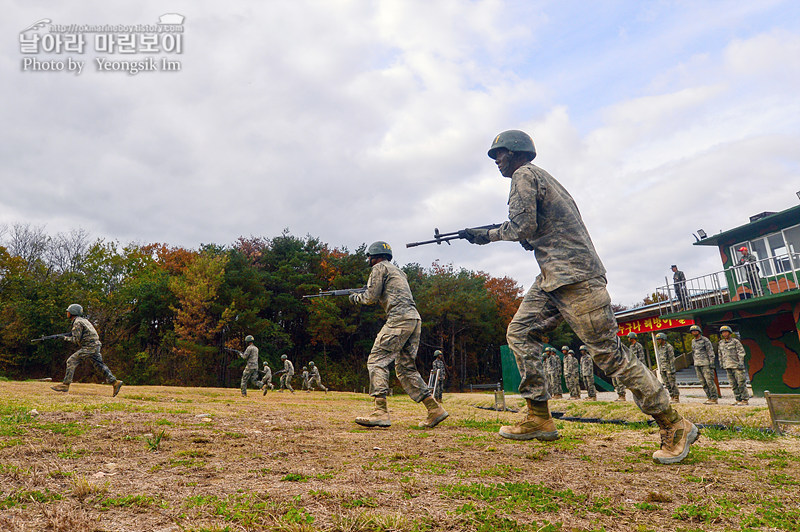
439	365
587	373
543	217
286	374
250	372
554	373
749	264
704	362
666	361
637	348
731	354
548	380
396	342
85	335
304	376
572	375
266	381
679	283
314	379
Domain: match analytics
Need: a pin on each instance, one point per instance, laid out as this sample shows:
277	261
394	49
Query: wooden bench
783	408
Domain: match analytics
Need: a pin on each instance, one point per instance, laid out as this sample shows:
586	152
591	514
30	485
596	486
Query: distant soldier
438	365
749	264
679	283
637	348
314	380
85	335
666	361
587	373
304	376
572	372
266	381
397	342
286	374
731	354
250	372
704	362
554	373
548	377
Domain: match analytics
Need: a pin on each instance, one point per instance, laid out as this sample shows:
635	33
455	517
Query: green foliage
154	442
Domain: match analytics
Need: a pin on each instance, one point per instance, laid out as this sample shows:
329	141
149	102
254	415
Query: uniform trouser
249	374
314	383
588	381
738	381
618	386
669	383
397	342
439	388
286	382
93	354
705	374
586	307
305	384
553	381
573	384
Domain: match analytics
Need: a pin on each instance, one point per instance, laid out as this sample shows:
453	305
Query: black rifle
59	335
438	237
280	372
345	292
229	350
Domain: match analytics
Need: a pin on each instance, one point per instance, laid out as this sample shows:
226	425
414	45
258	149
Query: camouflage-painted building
757	293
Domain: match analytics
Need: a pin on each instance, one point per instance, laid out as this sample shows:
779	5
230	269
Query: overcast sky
356	121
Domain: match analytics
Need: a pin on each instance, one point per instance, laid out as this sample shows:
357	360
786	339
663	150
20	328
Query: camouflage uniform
587	373
438	364
666	361
572	375
304	376
84	334
749	263
731	354
267	379
250	372
638	350
398	340
679	283
553	370
314	380
571	286
286	377
704	358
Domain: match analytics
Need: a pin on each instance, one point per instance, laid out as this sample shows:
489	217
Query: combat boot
538	424
436	414
379	417
621	398
675	400
711	402
677	436
264	388
60	387
117	385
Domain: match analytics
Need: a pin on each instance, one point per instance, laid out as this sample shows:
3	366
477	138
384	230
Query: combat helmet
725	328
661	336
632	335
565	348
249	338
695	328
379	248
515	141
75	309
311	364
437	353
305	368
284	357
583	348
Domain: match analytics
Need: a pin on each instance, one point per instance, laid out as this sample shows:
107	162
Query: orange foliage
173	259
506	293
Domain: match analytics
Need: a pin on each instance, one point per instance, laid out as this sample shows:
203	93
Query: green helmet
311	364
379	248
305	368
661	336
695	328
565	348
632	335
249	338
75	309
284	357
515	141
726	328
437	353
582	348
571	352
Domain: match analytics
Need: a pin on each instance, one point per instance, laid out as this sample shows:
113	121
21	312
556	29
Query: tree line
166	313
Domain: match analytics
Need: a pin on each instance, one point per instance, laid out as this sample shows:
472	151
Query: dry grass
297	462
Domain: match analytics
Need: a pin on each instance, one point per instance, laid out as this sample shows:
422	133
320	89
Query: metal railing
755	279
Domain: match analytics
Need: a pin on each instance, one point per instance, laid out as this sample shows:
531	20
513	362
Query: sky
356	121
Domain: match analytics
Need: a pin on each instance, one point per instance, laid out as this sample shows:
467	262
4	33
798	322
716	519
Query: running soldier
543	217
85	335
666	361
438	365
396	342
572	373
286	374
704	363
304	376
314	379
587	373
266	381
731	354
250	372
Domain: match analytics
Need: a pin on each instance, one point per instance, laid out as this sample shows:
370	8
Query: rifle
438	237
229	350
59	335
280	372
345	292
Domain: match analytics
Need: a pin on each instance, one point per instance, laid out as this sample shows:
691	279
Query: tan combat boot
379	417
436	414
117	385
60	387
538	424
677	436
711	402
675	400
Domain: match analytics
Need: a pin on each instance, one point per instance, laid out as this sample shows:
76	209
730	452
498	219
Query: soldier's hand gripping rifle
230	350
345	292
59	335
438	237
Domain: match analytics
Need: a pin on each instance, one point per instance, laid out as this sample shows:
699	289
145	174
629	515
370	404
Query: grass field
207	459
